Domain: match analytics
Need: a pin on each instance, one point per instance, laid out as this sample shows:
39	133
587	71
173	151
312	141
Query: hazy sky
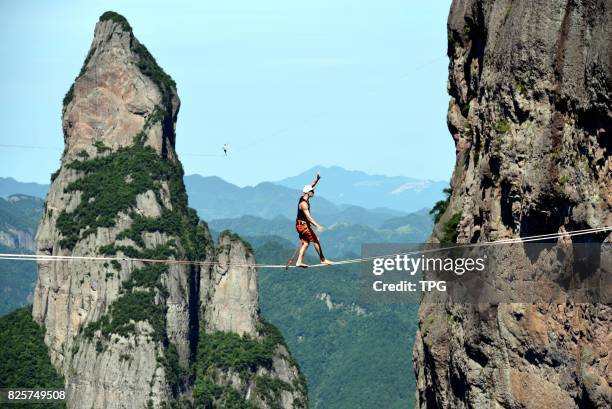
288	85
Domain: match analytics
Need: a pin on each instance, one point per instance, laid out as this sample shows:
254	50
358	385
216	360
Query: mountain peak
116	18
111	28
119	177
120	192
370	191
120	92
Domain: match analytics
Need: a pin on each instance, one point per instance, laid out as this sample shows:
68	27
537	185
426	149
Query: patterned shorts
307	235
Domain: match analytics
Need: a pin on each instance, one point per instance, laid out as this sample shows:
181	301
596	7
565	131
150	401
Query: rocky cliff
263	371
129	334
530	115
19	216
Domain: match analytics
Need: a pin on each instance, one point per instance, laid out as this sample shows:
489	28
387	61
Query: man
225	149
304	222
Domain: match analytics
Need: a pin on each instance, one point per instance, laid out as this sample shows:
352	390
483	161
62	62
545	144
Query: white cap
307	189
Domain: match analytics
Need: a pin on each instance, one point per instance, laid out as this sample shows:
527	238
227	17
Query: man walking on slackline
304	222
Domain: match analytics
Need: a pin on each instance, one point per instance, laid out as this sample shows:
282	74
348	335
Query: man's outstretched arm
316	180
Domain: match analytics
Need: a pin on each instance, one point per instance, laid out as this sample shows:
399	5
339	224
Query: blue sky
288	85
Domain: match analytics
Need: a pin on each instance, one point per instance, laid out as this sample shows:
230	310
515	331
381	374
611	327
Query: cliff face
126	334
530	114
119	179
18	218
265	373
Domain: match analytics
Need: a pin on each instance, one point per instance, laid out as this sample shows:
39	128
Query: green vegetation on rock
228	350
220	352
110	184
70	94
270	390
170	361
117	18
465	108
54	175
441	205
146	62
235	237
129	308
449	229
208	395
521	88
502	126
149	67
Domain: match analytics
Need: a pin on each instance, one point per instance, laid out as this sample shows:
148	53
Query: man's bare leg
321	256
299	262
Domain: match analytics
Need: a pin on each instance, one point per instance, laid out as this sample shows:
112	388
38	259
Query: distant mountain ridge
215	198
358	188
339	238
339	189
10	186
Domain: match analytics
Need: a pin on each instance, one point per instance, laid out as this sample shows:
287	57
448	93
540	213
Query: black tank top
300	213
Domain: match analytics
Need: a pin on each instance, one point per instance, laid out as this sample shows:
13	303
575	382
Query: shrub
210	396
110	185
521	88
149	67
270	390
441	205
449	230
55	174
243	355
117	18
100	147
83	154
125	311
170	362
235	237
170	222
148	276
502	126
228	350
